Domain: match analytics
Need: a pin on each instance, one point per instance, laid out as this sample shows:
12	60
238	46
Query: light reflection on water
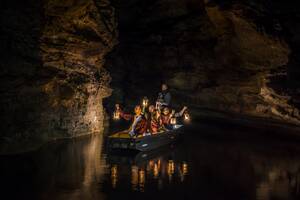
114	175
154	169
82	169
278	182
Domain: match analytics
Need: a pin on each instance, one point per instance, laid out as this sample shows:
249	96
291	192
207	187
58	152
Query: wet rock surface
214	54
53	81
232	56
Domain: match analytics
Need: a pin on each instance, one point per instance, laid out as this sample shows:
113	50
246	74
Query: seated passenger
167	115
156	122
149	116
139	124
151	110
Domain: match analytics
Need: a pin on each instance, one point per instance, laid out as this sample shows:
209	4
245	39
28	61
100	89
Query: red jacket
166	119
156	124
141	126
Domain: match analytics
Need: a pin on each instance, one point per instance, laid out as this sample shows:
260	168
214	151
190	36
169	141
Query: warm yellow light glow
186	116
114	175
170	169
142	180
116	115
173	121
184	169
151	164
145	101
155	171
134	177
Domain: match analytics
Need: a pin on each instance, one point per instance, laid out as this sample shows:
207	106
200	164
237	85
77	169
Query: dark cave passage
61	61
201	50
65	64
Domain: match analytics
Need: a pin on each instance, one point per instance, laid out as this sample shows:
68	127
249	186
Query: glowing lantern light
116	115
185	168
173	121
186	117
145	101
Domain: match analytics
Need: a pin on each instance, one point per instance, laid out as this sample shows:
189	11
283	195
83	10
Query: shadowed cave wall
58	57
52	79
231	56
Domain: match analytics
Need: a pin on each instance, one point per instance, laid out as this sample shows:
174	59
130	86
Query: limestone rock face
232	56
53	80
214	55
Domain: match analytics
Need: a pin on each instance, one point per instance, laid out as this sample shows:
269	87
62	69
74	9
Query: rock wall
213	54
52	79
233	56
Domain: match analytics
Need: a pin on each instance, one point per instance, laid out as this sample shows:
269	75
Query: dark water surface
211	162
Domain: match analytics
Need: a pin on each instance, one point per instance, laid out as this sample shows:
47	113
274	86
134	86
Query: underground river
211	161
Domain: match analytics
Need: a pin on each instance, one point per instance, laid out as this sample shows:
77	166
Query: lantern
186	116
185	168
116	115
173	121
145	101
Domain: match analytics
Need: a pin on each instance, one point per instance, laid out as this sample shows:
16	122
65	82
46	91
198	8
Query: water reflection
134	177
170	170
67	169
114	175
155	171
137	179
279	180
183	171
141	180
82	169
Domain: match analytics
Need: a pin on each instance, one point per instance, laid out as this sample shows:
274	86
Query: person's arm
126	116
134	124
179	114
123	115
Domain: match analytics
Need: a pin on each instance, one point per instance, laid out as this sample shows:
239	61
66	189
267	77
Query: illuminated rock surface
53	81
236	57
214	55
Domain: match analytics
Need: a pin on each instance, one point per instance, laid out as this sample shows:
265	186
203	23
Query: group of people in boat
152	119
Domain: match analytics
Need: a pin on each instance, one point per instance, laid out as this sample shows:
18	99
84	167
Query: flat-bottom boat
145	142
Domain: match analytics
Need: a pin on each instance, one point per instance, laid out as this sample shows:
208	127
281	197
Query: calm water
210	163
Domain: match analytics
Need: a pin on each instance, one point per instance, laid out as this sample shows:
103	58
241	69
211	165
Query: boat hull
145	143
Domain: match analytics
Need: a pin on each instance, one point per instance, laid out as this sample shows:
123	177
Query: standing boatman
164	97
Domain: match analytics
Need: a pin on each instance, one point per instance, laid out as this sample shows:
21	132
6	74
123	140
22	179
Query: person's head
137	110
166	111
151	108
164	87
